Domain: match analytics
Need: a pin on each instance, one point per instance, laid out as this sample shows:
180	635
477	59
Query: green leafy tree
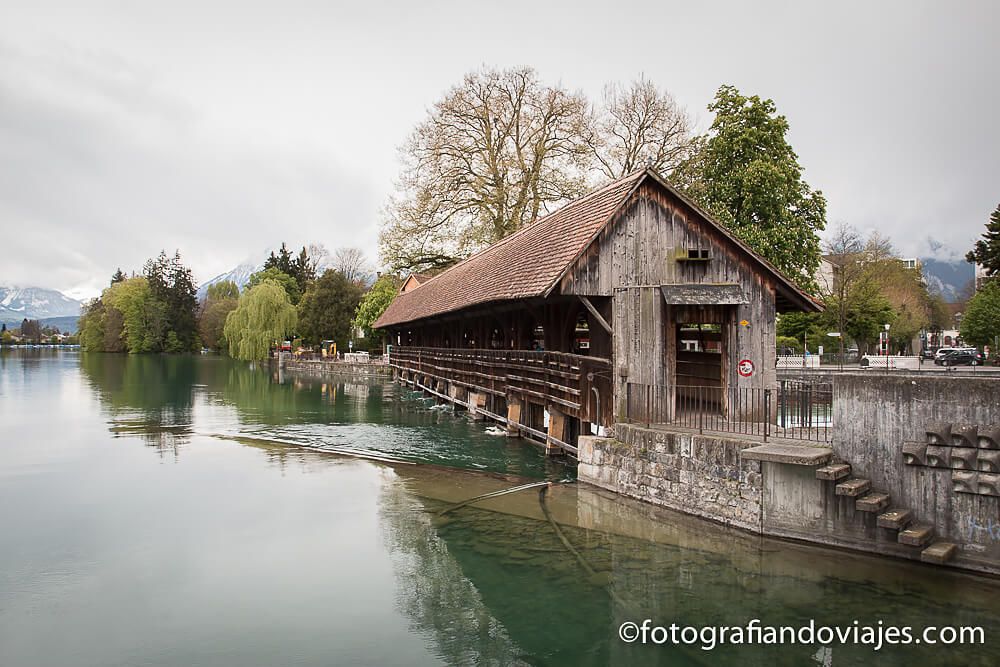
263	316
140	312
118	276
374	303
808	327
748	176
327	308
987	249
220	300
113	332
867	315
91	326
981	322
224	289
273	274
940	318
211	325
6	338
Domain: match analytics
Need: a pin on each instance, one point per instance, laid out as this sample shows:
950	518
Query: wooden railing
565	381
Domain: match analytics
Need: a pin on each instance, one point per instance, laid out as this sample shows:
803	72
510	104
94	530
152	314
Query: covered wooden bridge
629	303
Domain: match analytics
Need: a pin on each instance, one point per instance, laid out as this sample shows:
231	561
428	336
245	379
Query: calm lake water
183	511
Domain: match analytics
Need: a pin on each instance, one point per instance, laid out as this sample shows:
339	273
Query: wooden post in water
477	401
556	431
514	406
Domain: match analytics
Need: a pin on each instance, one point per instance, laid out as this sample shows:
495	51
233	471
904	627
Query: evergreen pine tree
987	249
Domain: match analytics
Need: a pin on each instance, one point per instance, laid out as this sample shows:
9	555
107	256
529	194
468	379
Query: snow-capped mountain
242	272
239	275
35	303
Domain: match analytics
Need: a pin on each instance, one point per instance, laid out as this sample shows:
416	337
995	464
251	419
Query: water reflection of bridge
495	578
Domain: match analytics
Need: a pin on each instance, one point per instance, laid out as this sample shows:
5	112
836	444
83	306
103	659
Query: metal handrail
799	410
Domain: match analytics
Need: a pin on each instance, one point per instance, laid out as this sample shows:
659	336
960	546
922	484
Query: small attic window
694	255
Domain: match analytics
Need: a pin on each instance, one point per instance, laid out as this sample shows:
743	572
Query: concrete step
873	502
853	487
897	518
939	553
798	455
916	535
833	472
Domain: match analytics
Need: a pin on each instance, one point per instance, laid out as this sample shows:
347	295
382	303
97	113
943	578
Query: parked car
941	351
960	358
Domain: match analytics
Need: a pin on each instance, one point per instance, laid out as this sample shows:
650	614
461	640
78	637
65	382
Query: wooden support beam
597	315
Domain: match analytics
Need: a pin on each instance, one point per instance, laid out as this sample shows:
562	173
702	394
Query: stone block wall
696	474
322	369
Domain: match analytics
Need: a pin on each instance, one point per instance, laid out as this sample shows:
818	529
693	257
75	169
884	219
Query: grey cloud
102	171
222	129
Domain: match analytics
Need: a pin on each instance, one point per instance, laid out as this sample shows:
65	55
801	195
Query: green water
193	511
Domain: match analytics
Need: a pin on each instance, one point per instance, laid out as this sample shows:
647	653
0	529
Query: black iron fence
795	409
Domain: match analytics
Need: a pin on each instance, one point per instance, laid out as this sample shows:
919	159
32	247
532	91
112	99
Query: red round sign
745	368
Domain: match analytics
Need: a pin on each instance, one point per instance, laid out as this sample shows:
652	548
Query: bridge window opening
538	338
497	404
698	377
536	417
581	335
496	338
468	338
573	429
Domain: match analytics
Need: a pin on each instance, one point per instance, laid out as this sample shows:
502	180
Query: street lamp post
840	338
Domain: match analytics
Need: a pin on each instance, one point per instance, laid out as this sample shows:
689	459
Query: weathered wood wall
637	253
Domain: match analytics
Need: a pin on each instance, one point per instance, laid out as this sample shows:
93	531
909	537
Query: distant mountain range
241	273
947	277
38	303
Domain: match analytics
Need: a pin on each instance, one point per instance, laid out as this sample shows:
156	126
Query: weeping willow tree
263	316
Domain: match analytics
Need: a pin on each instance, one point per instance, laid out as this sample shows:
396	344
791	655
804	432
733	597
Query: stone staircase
900	519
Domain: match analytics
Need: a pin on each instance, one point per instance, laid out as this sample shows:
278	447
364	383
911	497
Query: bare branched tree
496	152
844	250
639	125
353	264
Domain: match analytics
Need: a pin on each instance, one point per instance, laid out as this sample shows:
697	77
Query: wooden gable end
656	238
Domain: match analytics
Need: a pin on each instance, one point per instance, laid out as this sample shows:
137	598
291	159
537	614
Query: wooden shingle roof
524	265
530	262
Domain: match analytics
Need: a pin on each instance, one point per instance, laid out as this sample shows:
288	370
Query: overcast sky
223	128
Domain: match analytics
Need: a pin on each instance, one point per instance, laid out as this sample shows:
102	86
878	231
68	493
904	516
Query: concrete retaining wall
875	414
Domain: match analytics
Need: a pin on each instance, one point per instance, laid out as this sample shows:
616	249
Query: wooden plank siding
637	253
